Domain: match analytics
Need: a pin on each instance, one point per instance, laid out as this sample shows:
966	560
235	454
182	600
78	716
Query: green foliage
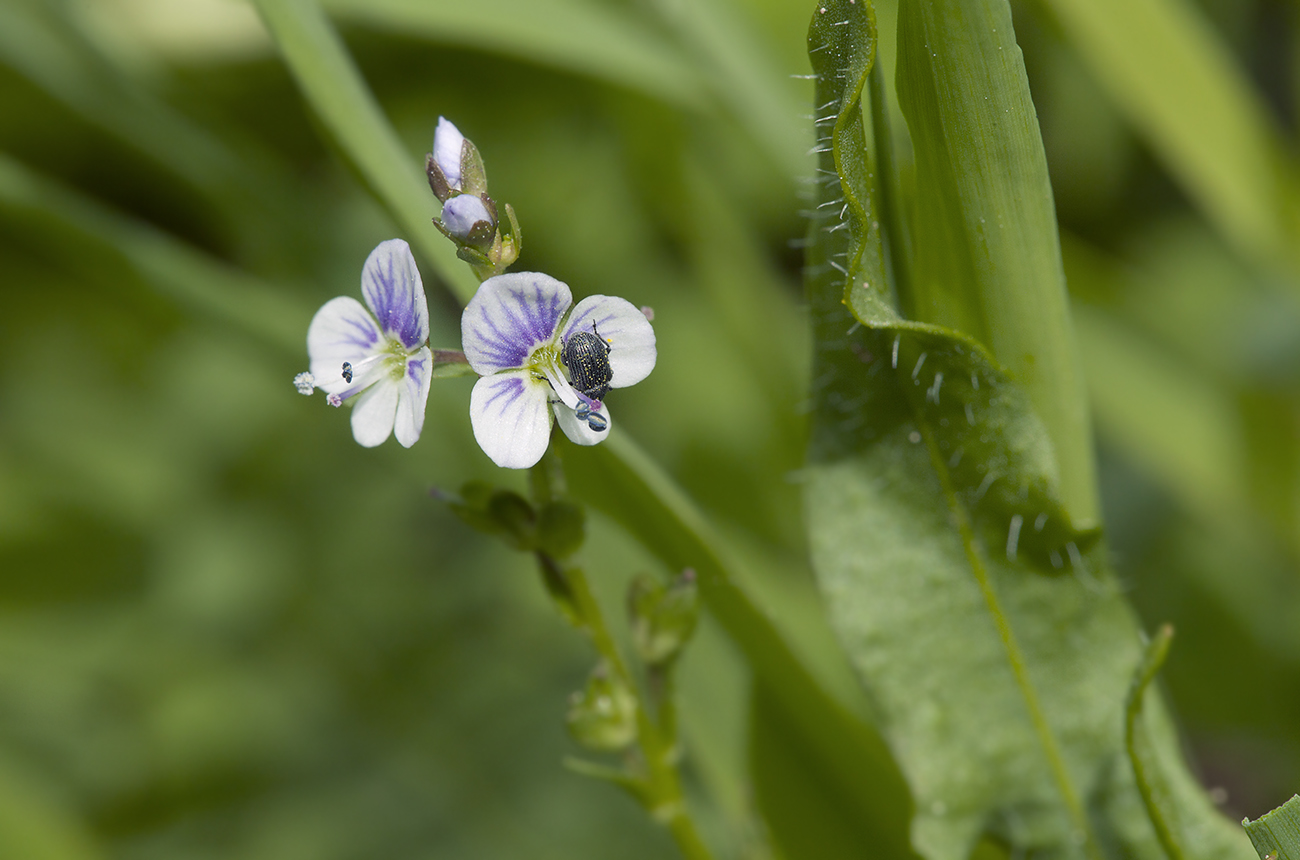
228	632
998	688
1276	834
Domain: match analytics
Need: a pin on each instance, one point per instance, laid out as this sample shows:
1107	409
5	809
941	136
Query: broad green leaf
985	626
986	257
1276	835
1178	85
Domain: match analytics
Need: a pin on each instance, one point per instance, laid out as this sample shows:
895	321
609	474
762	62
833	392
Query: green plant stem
1015	657
663	790
660	785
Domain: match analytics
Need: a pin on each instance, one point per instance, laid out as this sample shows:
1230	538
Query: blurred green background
228	631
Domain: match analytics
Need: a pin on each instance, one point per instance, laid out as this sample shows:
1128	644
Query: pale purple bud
448	143
462	212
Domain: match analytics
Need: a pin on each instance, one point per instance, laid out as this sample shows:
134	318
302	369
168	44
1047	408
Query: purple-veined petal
509	316
342	330
393	290
447	145
462	212
510	419
412	395
578	429
624	327
374	412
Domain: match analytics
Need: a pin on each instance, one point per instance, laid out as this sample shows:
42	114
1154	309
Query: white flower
462	212
377	356
514	333
448	144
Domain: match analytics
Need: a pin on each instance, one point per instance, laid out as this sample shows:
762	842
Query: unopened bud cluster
469	216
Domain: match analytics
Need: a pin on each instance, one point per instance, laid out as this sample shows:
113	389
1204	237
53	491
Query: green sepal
473	175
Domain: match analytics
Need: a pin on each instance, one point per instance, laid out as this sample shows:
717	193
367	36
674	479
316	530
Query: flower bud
603	716
461	213
663	617
448	143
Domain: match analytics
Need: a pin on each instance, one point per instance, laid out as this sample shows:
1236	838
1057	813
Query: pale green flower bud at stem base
663	617
603	716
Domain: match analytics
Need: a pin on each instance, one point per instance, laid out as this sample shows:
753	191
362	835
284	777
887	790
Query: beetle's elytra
586	356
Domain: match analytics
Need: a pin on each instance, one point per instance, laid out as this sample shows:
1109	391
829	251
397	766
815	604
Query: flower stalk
650	774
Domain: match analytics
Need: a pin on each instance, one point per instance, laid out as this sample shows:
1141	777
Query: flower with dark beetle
541	357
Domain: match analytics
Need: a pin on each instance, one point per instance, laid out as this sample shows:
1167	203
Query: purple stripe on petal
510	316
392	288
504	393
357	332
415	369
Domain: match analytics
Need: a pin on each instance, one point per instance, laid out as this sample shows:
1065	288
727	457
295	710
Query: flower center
544	360
393	358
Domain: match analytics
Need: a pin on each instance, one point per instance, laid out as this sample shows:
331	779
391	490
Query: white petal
373	414
391	285
577	429
447	145
510	419
412	395
509	316
624	327
341	331
462	212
